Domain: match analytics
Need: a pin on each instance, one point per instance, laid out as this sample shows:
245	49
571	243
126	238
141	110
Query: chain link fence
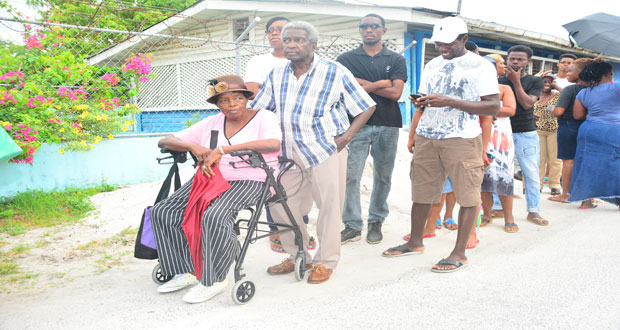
184	58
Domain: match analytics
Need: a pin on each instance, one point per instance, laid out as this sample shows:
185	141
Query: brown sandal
511	227
538	220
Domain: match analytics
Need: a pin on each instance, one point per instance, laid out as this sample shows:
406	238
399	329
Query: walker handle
242	153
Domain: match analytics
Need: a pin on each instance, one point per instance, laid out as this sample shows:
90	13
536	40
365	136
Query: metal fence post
238	41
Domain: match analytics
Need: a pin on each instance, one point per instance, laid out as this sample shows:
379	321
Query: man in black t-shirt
382	73
527	90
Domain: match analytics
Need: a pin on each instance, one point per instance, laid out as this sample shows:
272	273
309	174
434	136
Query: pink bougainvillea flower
33	42
111	78
140	64
32	101
72	94
11	74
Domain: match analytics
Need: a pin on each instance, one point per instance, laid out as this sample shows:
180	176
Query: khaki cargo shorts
434	160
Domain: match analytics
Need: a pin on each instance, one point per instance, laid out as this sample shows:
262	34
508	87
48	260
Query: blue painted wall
405	108
168	121
120	161
616	69
417	59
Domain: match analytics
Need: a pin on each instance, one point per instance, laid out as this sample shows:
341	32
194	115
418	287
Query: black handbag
145	241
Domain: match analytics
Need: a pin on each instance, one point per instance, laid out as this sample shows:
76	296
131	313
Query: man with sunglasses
382	73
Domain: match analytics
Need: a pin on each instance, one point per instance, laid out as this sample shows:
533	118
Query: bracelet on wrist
221	150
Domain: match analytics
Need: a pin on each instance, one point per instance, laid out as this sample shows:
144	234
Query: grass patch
41	244
10	272
125	237
20	248
110	250
7	268
20	278
106	262
36	208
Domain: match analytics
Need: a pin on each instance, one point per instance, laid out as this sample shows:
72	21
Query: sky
544	16
534	15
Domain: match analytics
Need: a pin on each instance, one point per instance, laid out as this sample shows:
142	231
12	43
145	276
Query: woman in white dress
498	177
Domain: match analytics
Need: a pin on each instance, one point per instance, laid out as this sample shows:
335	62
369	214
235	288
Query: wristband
221	150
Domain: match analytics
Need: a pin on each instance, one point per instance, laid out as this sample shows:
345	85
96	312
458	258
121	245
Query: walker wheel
300	268
158	276
243	291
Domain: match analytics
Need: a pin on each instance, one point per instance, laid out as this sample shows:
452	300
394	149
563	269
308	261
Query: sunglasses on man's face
372	26
274	29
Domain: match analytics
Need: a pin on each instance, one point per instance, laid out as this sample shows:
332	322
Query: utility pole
458	7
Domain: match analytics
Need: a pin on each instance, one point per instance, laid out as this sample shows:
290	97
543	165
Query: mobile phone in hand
415	96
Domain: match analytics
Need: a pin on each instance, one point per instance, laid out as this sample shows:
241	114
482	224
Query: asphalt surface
564	276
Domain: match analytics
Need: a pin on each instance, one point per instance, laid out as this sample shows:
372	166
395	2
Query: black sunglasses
372	26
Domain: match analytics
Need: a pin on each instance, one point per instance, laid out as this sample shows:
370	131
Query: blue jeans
381	143
497	204
527	150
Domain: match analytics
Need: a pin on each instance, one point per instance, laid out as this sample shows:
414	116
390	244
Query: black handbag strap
165	187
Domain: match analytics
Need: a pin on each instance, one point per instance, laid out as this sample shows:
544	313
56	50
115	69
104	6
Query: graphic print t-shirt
467	77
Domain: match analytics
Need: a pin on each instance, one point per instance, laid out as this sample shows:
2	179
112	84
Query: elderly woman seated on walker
239	128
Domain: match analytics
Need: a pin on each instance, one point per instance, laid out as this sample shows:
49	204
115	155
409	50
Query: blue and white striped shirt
313	109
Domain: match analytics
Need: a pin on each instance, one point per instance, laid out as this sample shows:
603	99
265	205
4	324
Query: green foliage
195	118
110	14
44	209
7	268
48	93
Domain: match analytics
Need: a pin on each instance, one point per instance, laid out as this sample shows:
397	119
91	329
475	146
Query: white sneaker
178	282
200	293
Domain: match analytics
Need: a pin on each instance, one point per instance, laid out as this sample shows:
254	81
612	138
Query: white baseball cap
447	29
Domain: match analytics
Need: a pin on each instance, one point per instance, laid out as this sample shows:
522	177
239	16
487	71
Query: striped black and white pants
219	241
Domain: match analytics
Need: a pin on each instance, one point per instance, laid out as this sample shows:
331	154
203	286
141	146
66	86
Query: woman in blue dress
596	171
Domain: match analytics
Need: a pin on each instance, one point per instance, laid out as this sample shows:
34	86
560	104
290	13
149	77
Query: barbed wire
184	56
201	24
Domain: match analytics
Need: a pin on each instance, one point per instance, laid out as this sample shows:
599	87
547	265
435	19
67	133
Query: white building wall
183	68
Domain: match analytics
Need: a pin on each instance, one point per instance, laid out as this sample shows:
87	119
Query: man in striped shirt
312	97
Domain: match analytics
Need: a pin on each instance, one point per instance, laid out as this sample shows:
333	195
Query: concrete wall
121	161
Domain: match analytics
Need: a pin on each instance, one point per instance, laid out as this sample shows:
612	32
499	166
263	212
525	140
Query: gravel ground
558	277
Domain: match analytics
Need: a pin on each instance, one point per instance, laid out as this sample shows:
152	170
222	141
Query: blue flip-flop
450	222
438	224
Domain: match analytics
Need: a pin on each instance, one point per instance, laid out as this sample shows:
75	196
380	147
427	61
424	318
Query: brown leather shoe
319	274
285	267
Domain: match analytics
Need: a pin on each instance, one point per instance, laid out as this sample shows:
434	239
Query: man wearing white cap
456	88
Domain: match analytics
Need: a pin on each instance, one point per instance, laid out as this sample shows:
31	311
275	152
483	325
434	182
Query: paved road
564	276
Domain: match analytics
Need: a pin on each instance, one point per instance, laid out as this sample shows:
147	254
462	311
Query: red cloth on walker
204	190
